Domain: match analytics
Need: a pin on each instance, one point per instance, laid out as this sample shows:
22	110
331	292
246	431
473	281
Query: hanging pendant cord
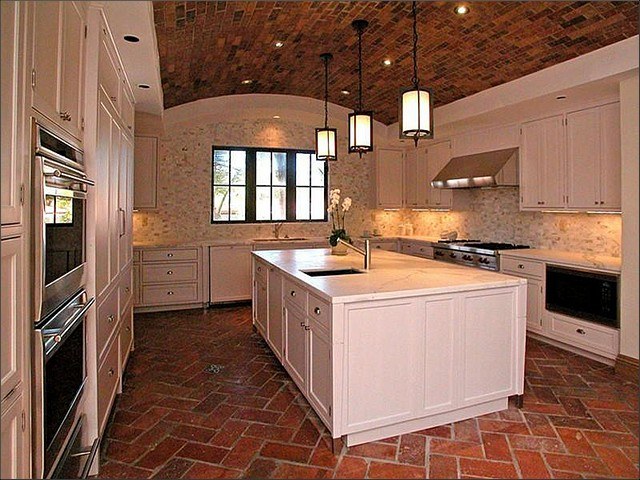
360	69
326	92
414	10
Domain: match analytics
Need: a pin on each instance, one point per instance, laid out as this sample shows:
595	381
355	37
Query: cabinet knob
302	324
169	255
127	328
65	116
169	272
57	338
293	293
317	311
596	202
601	202
111	318
169	292
521	266
127	289
307	327
111	372
581	331
259	269
113	99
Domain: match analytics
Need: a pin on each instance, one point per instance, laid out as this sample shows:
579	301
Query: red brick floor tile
412	449
202	452
391	440
256	415
575	442
443	431
192	433
617	462
150	417
161	453
154	435
382	451
611	438
539	425
487	468
466	431
122	470
261	468
527	442
574	422
205	470
392	470
229	433
243	452
281	451
573	463
322	456
453	447
125	433
351	467
496	447
124	452
174	468
125	417
531	464
443	467
289	470
269	432
500	426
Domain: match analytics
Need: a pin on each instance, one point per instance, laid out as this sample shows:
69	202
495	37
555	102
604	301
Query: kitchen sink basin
334	272
290	239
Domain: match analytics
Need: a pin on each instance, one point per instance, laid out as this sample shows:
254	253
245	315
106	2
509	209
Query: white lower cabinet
604	341
319	379
295	345
415	248
14	462
230	273
534	273
275	331
262	306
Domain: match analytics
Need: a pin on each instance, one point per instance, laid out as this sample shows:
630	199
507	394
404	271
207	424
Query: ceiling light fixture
144	86
277	117
345	92
360	121
131	38
246	81
278	44
416	103
461	10
326	138
387	62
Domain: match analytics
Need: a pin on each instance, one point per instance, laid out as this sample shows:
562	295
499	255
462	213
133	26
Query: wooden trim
627	367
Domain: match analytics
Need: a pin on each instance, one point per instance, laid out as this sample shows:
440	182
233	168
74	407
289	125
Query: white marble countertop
392	275
574	259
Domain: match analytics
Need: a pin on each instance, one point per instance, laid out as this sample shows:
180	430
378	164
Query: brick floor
174	420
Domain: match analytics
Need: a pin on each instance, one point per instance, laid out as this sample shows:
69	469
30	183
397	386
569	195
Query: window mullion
291	186
250	197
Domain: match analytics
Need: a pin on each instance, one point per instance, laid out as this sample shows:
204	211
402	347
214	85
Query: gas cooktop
473	252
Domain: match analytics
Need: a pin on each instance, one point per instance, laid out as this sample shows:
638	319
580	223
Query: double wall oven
61	304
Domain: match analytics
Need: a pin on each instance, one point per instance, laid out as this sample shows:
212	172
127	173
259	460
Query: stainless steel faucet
276	229
366	252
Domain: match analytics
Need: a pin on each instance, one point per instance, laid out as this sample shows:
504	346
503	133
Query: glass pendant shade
416	113
326	143
360	132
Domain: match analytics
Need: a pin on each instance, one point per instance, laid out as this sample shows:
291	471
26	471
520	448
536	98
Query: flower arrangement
338	211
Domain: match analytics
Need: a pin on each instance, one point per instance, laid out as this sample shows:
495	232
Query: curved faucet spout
366	252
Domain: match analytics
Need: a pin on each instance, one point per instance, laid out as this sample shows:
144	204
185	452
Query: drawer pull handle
293	293
169	272
169	255
127	328
127	289
259	269
581	331
113	98
111	318
317	310
520	266
302	324
111	372
307	328
169	292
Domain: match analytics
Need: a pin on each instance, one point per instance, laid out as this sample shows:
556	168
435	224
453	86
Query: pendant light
416	104
360	121
326	138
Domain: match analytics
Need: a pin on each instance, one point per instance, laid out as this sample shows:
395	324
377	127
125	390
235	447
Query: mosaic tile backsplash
184	198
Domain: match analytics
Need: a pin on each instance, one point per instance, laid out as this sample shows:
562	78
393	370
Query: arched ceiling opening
207	49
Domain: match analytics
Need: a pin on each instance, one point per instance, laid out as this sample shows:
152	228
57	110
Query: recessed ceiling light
132	38
246	81
461	10
278	44
144	86
561	97
387	62
345	92
277	117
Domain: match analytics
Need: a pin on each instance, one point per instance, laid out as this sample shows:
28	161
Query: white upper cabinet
389	178
583	158
610	158
145	173
438	155
11	113
415	178
57	63
542	164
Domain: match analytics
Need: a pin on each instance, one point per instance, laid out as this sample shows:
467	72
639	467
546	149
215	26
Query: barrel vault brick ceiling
208	48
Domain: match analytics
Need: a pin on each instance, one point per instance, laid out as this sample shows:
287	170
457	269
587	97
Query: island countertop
392	275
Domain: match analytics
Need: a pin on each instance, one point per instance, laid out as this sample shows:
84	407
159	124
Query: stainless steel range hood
497	168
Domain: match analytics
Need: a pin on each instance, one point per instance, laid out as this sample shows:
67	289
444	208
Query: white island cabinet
408	345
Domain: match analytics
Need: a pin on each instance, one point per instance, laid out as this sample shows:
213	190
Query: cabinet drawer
295	294
408	248
522	267
591	337
170	294
136	256
169	255
107	383
260	271
107	321
126	335
319	310
424	251
389	246
170	273
125	289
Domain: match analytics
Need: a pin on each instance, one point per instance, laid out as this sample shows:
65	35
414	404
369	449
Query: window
252	185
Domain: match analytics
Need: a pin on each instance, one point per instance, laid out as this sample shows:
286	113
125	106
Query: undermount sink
284	239
334	272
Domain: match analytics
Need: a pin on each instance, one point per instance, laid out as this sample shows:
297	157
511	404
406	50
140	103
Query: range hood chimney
498	168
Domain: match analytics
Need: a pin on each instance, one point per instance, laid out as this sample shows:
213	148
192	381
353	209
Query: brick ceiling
208	48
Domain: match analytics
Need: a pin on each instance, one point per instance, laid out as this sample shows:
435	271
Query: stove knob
439	254
452	255
467	257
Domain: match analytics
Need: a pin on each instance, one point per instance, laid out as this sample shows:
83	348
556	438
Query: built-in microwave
583	294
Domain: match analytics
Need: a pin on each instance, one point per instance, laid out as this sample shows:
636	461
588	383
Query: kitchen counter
392	275
572	259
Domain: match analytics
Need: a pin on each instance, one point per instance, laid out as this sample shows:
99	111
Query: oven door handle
69	327
76	178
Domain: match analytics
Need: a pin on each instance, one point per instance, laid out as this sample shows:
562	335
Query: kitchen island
410	344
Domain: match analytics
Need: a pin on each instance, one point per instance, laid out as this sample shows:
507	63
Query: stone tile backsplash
184	198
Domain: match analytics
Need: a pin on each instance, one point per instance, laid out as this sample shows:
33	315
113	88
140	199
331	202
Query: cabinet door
275	324
124	210
610	159
389	178
13	318
534	305
320	392
145	172
295	349
583	158
262	307
103	152
71	68
230	273
411	179
11	113
15	455
438	156
115	217
542	169
109	71
47	19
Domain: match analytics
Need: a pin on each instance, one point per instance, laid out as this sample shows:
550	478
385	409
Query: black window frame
250	185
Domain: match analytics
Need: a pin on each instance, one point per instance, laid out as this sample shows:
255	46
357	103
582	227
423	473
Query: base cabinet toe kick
379	368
